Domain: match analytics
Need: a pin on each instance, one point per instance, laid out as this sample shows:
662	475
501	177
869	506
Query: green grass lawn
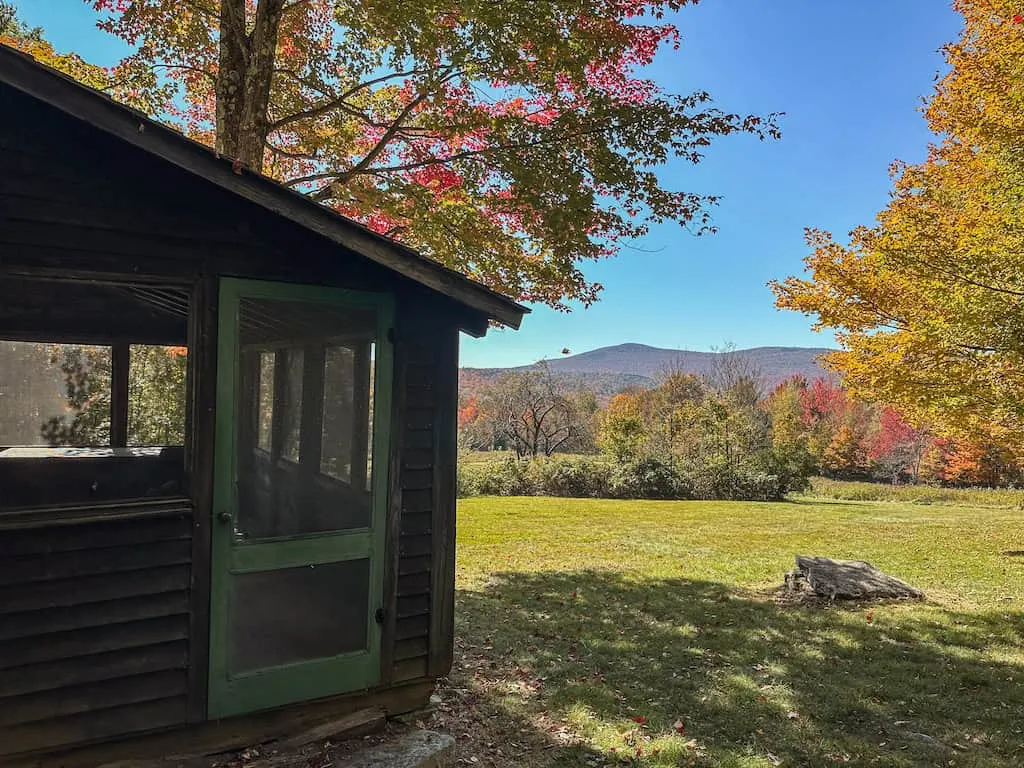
594	632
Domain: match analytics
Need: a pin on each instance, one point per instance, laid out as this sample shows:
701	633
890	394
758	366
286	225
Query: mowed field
650	633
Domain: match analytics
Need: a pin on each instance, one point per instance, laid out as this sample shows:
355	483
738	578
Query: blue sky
850	77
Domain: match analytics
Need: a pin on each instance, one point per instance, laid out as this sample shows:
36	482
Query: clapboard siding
66	619
94	623
56	675
415	543
411	627
411	649
442	570
414	565
93	589
17	570
93	640
34	707
95	725
45	540
413	584
410	669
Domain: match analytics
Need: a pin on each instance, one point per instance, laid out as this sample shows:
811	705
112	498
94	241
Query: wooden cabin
227	442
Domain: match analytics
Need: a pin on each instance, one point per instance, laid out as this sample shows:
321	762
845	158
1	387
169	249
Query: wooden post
361	414
280	405
393	522
311	431
201	423
120	364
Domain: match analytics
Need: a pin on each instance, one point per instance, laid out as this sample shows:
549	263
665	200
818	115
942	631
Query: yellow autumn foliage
928	304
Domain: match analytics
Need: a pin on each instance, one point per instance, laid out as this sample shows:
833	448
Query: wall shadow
753	681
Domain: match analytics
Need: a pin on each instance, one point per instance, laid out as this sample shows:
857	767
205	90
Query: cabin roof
95	108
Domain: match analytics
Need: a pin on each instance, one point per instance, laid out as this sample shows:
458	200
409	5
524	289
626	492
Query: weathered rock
847	580
419	749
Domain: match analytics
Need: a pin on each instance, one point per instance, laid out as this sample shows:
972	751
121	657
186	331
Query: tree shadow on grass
567	662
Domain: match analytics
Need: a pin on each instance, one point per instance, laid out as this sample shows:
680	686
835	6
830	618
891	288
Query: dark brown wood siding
412	629
94	623
422	358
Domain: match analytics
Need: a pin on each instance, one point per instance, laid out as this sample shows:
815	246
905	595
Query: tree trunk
246	67
229	89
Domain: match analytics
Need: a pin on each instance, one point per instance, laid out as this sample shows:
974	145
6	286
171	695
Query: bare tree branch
188	68
334	100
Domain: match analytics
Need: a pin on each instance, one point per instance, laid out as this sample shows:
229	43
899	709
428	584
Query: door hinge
379	615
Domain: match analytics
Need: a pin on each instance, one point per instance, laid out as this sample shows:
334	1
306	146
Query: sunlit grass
647	631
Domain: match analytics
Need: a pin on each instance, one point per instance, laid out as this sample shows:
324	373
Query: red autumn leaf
640	719
1018	19
870	616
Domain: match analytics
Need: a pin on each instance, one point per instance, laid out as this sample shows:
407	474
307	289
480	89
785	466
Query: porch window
92	392
53	395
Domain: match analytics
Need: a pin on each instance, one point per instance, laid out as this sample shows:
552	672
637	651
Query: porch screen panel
304	458
54	395
294	614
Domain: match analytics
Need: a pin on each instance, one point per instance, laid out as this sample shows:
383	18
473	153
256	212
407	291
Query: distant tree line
720	435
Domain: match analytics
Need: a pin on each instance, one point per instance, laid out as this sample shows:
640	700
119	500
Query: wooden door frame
309	679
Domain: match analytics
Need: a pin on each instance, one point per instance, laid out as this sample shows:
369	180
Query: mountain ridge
612	368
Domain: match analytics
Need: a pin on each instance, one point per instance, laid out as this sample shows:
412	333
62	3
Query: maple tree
514	141
790	433
897	447
927	304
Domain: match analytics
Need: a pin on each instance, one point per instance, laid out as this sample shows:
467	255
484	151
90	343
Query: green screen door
303	391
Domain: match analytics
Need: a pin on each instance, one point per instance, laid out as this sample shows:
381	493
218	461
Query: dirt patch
489	735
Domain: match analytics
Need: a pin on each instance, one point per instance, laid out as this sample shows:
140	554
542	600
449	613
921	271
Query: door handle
224	518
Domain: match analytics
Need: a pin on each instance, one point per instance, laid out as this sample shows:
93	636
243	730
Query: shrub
467	479
649	478
722	481
793	468
574	478
592	478
509	477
